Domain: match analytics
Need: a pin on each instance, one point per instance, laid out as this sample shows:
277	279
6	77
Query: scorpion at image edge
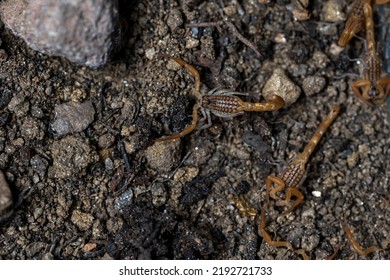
373	89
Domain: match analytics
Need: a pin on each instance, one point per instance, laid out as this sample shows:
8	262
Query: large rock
5	194
84	31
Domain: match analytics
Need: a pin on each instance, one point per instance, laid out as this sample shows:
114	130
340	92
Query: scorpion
373	89
221	102
290	179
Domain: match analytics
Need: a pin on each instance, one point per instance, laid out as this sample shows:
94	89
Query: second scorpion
292	177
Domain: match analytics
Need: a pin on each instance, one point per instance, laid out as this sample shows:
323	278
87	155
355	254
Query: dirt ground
108	192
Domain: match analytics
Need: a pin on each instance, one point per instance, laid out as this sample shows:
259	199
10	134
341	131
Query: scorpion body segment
315	139
273	103
243	206
224	104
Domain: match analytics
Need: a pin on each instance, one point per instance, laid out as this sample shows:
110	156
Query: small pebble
335	50
89	247
332	11
319	60
280	38
72	117
39	165
281	85
30	130
299	10
163	156
316	193
230	10
313	84
3	55
71	156
106	140
352	159
175	20
124	199
192	43
159	195
185	174
150	53
82	220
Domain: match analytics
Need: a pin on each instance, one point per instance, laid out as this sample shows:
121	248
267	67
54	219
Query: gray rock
72	117
125	199
39	165
84	31
5	193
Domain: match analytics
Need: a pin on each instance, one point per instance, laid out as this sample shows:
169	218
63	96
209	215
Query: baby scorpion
222	103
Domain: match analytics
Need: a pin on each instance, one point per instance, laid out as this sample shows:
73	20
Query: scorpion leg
197	105
243	206
361	88
380	2
303	254
383	84
280	185
356	246
265	234
289	193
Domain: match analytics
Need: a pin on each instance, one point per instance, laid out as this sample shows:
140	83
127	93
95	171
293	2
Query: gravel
104	189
